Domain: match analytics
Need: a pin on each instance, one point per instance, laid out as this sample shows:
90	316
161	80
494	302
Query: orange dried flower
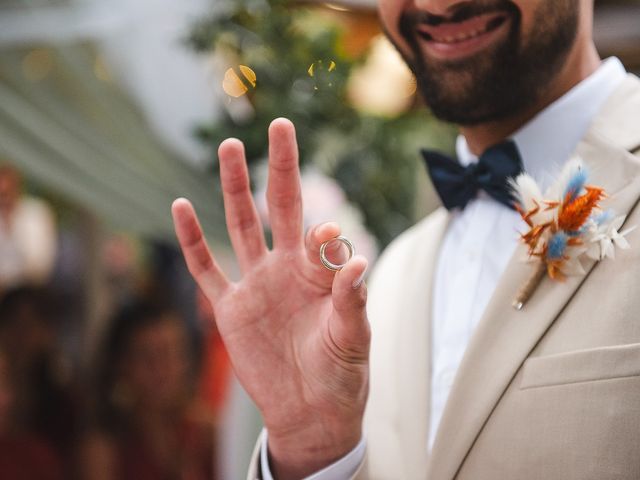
533	236
554	270
575	213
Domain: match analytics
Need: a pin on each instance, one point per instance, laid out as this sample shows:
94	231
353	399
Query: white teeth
460	37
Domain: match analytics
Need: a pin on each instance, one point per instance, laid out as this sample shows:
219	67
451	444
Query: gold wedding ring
332	266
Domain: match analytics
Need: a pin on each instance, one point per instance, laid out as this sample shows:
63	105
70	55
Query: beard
507	78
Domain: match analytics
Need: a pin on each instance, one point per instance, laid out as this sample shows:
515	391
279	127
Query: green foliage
374	159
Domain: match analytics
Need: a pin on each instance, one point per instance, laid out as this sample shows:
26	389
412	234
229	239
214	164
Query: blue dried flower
557	246
603	217
576	184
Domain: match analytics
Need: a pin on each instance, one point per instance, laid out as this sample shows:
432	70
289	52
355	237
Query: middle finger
283	189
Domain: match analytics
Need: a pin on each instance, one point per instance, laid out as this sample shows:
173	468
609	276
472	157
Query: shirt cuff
342	469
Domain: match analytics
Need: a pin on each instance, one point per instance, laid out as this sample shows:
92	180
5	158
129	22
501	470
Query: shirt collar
547	141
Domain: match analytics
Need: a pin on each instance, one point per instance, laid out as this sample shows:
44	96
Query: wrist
300	453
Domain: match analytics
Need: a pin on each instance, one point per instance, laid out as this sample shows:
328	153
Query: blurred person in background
23	455
145	427
215	376
44	399
27	234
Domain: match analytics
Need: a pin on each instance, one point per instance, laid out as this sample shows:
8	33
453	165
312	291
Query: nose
439	7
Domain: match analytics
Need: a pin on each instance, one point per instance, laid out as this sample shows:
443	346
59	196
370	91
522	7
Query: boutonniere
565	226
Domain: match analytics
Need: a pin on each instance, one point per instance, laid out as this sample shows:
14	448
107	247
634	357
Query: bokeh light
382	85
237	83
321	72
37	64
101	69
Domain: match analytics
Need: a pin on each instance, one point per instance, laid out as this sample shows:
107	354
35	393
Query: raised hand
297	333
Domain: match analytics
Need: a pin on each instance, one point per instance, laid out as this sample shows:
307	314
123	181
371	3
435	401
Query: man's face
482	60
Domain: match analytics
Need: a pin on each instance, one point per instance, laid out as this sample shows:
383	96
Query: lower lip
464	48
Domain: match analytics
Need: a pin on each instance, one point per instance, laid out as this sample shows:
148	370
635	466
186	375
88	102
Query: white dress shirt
481	239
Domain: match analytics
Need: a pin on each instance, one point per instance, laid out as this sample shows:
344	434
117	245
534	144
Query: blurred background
110	363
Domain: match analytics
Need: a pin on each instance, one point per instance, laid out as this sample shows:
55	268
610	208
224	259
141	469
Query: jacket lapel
413	372
400	352
505	337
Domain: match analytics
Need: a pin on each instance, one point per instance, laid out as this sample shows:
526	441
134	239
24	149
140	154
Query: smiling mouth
458	32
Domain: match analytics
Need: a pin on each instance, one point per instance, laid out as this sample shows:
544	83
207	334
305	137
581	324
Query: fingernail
360	279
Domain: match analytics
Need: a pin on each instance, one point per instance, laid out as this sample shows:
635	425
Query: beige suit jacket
548	392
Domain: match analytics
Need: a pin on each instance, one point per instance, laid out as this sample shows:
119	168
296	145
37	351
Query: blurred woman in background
145	429
44	402
23	454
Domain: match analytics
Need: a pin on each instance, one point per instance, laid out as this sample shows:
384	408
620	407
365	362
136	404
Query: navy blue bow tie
457	185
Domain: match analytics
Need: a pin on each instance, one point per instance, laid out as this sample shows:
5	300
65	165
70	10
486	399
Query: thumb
349	326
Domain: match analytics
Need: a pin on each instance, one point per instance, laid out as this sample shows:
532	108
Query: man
462	385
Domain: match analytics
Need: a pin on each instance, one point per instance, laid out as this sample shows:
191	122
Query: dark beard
503	81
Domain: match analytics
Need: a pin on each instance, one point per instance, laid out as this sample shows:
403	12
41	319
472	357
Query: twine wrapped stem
530	286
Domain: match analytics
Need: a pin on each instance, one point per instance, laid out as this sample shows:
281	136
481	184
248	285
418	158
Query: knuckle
285	162
199	262
242	223
347	348
191	238
235	183
282	199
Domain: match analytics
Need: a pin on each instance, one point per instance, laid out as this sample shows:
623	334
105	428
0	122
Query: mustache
461	12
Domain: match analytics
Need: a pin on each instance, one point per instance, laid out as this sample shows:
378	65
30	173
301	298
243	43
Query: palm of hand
285	323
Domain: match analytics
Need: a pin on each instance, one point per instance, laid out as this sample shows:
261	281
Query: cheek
529	17
387	9
389	13
394	36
